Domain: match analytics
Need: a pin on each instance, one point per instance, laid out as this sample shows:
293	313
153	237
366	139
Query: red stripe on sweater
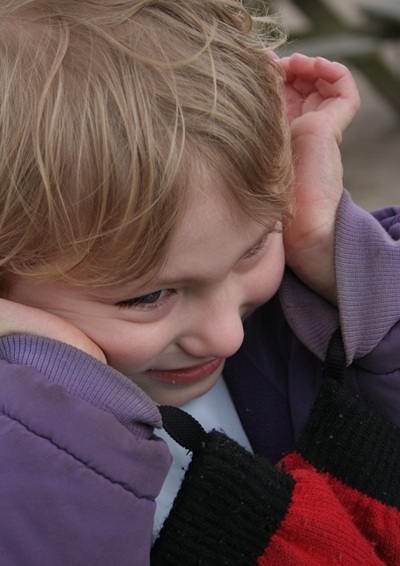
330	523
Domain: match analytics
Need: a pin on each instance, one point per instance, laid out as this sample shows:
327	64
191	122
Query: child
146	179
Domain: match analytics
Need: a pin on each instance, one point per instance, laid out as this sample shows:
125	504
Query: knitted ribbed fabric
334	500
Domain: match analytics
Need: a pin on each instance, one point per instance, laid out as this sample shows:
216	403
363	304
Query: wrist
314	263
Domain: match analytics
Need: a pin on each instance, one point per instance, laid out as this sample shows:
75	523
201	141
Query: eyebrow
159	282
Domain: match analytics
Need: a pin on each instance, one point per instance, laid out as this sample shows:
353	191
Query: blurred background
365	35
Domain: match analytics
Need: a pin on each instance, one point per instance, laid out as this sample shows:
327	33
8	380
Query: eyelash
139	302
257	248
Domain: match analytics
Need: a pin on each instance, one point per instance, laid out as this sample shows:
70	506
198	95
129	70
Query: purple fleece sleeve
367	261
86	378
77	487
368	288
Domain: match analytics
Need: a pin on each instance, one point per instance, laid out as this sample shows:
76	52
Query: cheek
130	348
278	269
268	278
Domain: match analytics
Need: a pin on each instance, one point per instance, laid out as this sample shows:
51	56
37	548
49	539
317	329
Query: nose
214	328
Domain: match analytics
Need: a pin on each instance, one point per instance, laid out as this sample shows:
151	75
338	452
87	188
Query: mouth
185	375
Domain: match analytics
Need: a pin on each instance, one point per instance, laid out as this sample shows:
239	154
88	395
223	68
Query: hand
322	100
20	319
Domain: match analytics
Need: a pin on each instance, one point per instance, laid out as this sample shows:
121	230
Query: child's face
171	337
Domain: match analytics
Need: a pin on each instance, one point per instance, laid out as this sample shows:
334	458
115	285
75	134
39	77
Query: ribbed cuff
229	505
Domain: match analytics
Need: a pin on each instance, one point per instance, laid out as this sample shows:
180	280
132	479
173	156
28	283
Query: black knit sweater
334	500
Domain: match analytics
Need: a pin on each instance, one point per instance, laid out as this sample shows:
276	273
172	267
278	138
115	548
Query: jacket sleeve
334	500
367	266
367	256
76	487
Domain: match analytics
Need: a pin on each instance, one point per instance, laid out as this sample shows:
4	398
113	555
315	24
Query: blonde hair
105	105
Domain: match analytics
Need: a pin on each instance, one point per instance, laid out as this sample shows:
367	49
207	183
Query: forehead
213	234
209	213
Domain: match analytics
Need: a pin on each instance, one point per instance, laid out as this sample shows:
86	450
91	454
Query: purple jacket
80	467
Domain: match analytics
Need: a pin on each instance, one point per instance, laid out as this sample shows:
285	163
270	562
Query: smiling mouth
186	375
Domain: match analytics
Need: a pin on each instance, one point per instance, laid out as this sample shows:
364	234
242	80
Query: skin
221	266
322	99
199	319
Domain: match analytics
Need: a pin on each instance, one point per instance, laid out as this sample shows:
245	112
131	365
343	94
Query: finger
284	63
298	65
303	86
331	71
312	68
337	81
341	97
302	71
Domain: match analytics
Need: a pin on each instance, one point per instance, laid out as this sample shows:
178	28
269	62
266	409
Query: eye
255	250
150	301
